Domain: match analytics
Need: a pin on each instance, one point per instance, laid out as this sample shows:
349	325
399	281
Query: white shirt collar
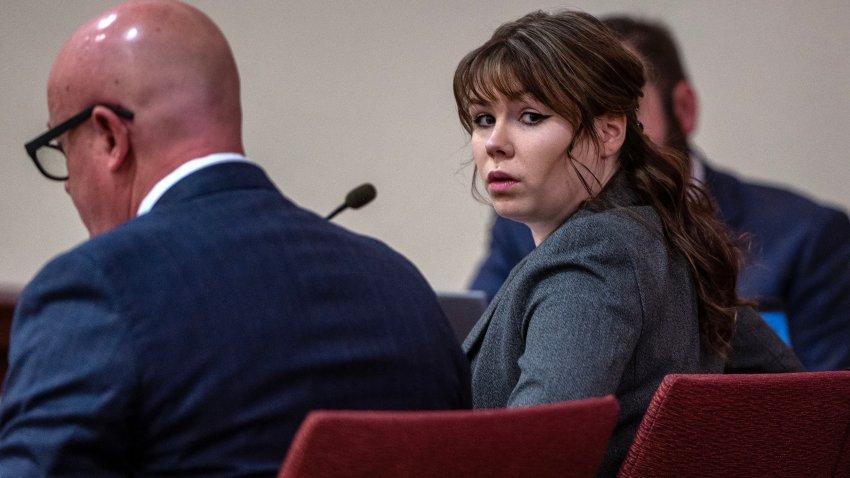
181	172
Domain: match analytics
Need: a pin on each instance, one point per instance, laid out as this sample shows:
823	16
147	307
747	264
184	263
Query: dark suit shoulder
743	203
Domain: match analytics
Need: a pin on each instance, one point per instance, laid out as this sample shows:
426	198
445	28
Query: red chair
560	440
760	425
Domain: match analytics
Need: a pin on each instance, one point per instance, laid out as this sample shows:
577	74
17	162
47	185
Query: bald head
167	62
169	65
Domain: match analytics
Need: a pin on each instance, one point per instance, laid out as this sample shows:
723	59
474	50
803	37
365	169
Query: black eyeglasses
48	155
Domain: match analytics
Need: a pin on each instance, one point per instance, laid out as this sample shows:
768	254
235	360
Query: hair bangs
485	75
494	76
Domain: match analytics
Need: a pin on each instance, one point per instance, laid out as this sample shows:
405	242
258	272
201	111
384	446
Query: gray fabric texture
601	307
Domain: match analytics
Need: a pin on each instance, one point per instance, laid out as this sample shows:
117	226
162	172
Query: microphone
355	199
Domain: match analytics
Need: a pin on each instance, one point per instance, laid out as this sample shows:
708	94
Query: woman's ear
611	130
114	137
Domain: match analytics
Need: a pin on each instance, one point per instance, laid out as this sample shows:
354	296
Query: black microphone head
360	196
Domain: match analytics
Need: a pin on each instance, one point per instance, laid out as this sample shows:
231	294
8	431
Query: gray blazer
757	349
601	307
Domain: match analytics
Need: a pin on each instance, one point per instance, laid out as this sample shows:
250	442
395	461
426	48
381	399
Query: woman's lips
500	182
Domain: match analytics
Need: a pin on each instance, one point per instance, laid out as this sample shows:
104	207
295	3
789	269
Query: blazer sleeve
819	297
65	399
582	326
757	349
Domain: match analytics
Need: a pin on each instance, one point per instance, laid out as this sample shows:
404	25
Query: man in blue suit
799	251
207	314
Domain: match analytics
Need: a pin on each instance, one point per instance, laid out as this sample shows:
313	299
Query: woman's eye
532	118
484	120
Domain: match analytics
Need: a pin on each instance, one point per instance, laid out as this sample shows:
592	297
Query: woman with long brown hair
633	277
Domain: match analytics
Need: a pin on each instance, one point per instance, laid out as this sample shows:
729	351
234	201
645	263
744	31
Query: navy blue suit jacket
191	341
800	256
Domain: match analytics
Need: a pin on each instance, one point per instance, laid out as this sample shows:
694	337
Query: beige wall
340	92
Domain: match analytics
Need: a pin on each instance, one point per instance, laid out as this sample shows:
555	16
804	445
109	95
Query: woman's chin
508	212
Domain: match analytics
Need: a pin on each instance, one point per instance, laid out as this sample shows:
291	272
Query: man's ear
685	107
115	137
612	133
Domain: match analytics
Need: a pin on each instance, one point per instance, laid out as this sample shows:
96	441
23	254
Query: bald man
207	314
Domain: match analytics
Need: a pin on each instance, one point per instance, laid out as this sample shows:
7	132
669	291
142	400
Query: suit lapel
473	341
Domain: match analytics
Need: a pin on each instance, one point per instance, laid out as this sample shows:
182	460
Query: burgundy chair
560	440
760	425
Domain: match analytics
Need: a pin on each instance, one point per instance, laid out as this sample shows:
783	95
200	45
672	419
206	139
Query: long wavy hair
575	65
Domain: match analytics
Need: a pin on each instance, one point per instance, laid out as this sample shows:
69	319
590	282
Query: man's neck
697	165
181	172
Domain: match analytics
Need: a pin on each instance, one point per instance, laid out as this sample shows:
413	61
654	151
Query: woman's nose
499	143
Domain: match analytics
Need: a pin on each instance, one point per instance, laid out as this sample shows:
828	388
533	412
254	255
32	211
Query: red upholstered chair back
559	440
774	425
